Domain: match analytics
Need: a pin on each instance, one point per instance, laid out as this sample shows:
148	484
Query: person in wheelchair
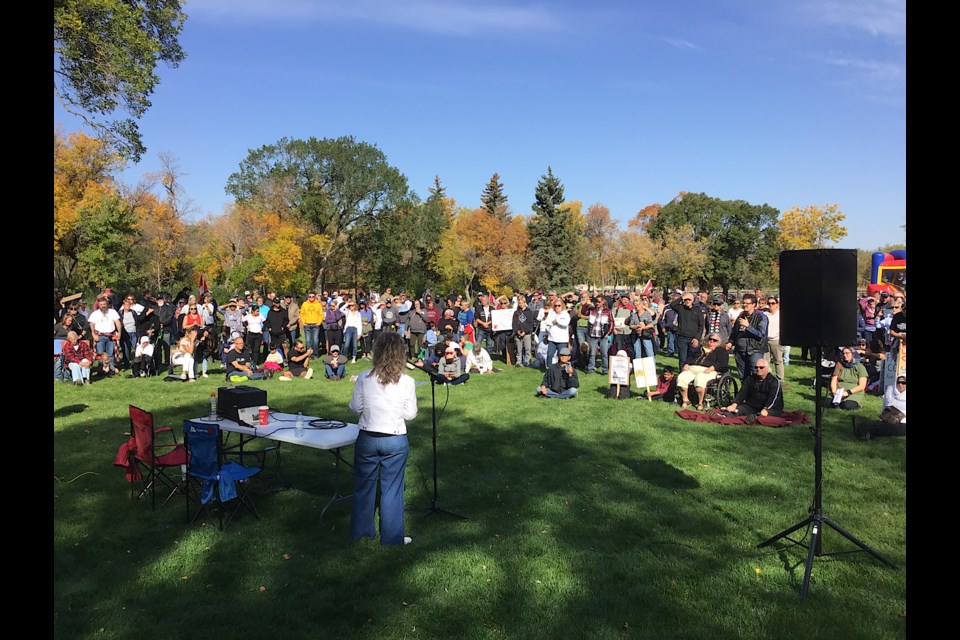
704	363
762	394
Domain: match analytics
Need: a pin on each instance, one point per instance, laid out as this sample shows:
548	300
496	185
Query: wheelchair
719	392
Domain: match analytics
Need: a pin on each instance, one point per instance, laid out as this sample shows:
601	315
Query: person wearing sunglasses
704	363
761	394
893	417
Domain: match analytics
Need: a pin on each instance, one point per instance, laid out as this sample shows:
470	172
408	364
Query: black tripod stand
435	504
816	517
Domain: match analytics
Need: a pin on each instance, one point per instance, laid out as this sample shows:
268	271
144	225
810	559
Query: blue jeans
105	345
311	337
79	373
604	346
746	363
128	347
563	395
671	343
341	369
683	349
485	339
387	456
552	348
349	346
643	347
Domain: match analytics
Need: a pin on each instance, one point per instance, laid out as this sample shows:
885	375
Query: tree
107	255
553	238
681	256
105	58
599	229
334	185
743	238
811	227
495	200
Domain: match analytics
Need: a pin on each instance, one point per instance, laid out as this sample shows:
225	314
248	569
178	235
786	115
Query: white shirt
384	409
557	326
773	325
254	323
353	320
377	309
892	397
104	322
734	313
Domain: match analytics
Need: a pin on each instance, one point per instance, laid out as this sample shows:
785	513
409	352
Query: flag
203	287
647	288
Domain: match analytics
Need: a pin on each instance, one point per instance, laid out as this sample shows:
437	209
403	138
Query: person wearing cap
334	365
450	367
232	318
690	326
717	320
560	379
311	317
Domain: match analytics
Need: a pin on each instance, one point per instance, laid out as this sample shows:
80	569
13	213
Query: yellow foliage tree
161	232
812	227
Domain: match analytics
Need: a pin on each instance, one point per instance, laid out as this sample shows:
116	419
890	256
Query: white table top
281	428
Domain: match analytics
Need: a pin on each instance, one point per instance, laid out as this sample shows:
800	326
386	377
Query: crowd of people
261	336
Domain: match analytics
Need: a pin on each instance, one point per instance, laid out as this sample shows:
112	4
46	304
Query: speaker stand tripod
816	517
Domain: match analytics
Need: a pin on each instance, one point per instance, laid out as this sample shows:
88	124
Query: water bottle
298	430
213	405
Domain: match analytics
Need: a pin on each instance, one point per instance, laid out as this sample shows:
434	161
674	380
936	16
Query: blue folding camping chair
215	483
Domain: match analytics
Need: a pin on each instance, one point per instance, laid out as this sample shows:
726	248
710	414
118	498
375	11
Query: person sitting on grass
299	363
274	361
560	380
761	394
78	356
666	386
183	354
893	417
450	367
334	365
850	377
240	364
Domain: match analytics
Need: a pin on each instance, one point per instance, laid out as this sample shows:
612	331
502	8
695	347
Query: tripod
435	504
816	517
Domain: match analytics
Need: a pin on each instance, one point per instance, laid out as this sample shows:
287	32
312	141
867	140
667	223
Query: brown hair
389	358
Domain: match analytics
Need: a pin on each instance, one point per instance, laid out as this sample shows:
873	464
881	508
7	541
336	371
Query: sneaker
183	376
285	379
407	539
354	361
309	373
205	375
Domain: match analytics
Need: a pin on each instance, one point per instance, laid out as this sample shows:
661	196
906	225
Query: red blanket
715	416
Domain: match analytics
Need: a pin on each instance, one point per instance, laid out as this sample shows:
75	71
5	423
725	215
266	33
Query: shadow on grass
69	410
567	537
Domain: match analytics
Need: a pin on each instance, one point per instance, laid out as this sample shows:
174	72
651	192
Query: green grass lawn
588	518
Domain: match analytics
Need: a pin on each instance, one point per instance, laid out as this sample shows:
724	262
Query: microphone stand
435	504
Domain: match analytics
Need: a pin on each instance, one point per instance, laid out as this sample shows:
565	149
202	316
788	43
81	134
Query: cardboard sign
619	370
502	319
645	372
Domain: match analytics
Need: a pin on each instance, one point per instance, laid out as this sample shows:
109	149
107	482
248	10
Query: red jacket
76	353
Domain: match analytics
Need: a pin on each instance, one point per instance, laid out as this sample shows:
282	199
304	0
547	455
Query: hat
717	300
388	298
564	351
450	350
884	294
235	335
869	298
334	347
247	292
144	339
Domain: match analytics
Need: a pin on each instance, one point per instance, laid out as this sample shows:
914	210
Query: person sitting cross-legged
334	366
704	363
761	394
240	365
298	363
850	377
560	380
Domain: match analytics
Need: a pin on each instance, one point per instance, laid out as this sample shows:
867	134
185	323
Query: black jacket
689	321
766	393
556	379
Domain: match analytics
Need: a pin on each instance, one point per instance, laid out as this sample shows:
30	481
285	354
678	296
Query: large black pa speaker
818	297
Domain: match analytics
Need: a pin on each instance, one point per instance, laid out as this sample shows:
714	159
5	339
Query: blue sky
779	102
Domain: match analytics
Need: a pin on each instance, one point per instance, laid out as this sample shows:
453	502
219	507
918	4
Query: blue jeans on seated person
388	456
563	395
79	373
341	369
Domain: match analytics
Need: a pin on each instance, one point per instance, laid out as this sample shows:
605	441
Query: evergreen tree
495	200
437	191
552	235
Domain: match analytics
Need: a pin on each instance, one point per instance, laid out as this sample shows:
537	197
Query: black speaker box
230	399
818	297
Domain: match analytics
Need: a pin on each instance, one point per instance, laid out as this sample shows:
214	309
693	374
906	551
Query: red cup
263	416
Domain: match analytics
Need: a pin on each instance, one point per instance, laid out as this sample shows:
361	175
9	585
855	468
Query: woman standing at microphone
384	398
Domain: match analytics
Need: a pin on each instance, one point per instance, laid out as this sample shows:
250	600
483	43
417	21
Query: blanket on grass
715	416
